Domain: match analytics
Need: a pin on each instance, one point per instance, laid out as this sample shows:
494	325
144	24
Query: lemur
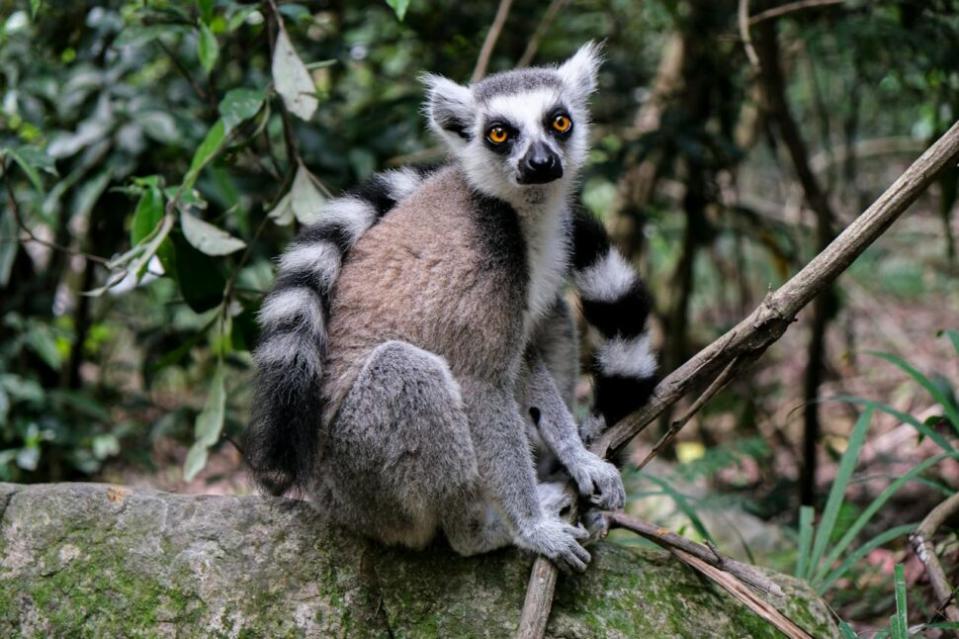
413	329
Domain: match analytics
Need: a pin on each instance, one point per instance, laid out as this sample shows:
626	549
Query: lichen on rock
90	560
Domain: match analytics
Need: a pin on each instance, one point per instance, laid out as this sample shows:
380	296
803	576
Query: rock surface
90	560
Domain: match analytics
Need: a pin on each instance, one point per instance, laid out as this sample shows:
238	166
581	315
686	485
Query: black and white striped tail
615	301
280	444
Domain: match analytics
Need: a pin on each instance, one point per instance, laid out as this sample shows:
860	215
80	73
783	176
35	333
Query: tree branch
753	335
482	62
921	542
671	541
769	321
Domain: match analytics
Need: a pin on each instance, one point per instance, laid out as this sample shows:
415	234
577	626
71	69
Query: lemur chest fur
448	271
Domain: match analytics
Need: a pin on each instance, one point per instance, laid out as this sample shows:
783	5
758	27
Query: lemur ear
579	72
450	108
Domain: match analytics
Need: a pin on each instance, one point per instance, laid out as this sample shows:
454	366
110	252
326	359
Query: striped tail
281	441
614	301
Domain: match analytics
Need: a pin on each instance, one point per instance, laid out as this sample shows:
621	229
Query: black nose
540	165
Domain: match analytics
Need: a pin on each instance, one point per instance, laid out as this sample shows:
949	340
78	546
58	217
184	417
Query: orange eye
562	124
497	135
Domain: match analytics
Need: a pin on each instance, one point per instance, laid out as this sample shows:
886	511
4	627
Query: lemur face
521	134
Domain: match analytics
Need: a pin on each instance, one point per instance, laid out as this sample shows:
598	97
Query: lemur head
520	135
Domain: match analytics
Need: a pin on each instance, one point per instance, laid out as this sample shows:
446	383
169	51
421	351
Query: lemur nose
541	165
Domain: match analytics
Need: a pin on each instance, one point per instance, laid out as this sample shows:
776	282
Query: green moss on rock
84	560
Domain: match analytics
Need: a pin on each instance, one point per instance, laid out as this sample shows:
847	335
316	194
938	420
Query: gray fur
445	327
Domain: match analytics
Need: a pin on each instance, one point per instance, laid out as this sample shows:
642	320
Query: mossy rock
90	560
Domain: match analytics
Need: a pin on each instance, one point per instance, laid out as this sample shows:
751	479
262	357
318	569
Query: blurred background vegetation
152	169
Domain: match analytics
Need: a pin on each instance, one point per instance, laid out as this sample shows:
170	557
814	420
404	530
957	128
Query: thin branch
769	321
533	45
482	62
744	24
921	542
753	335
717	384
31	236
792	7
748	598
708	553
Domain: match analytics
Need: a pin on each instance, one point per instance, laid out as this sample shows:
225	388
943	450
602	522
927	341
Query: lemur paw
599	481
554	499
558	541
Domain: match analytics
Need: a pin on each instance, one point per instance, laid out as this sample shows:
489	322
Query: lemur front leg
506	470
596	480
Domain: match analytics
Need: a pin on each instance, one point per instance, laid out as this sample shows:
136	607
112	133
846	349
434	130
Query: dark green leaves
207	48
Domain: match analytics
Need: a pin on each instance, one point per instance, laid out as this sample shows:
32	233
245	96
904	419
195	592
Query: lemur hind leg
400	463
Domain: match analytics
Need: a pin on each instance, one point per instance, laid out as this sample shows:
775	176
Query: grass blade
846	466
847	632
860	552
954	338
805	541
870	511
901	628
905	418
926	383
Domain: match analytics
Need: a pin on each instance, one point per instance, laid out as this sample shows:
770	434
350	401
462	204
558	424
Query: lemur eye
562	123
497	135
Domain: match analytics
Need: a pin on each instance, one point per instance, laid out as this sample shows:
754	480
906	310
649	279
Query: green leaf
8	247
847	632
292	80
207	48
40	340
239	105
935	391
399	7
954	338
29	160
147	215
833	503
205	7
806	514
207	150
208	238
209	423
195	461
305	199
683	504
34	7
197	275
282	213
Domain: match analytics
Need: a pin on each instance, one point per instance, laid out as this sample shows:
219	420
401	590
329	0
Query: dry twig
748	598
708	553
548	17
921	542
482	62
792	7
753	335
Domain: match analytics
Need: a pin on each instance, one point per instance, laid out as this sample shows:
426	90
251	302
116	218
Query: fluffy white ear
579	72
449	107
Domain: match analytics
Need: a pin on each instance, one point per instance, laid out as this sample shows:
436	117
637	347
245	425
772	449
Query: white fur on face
607	280
496	174
624	357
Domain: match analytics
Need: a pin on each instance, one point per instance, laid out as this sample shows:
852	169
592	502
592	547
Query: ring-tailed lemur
392	397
